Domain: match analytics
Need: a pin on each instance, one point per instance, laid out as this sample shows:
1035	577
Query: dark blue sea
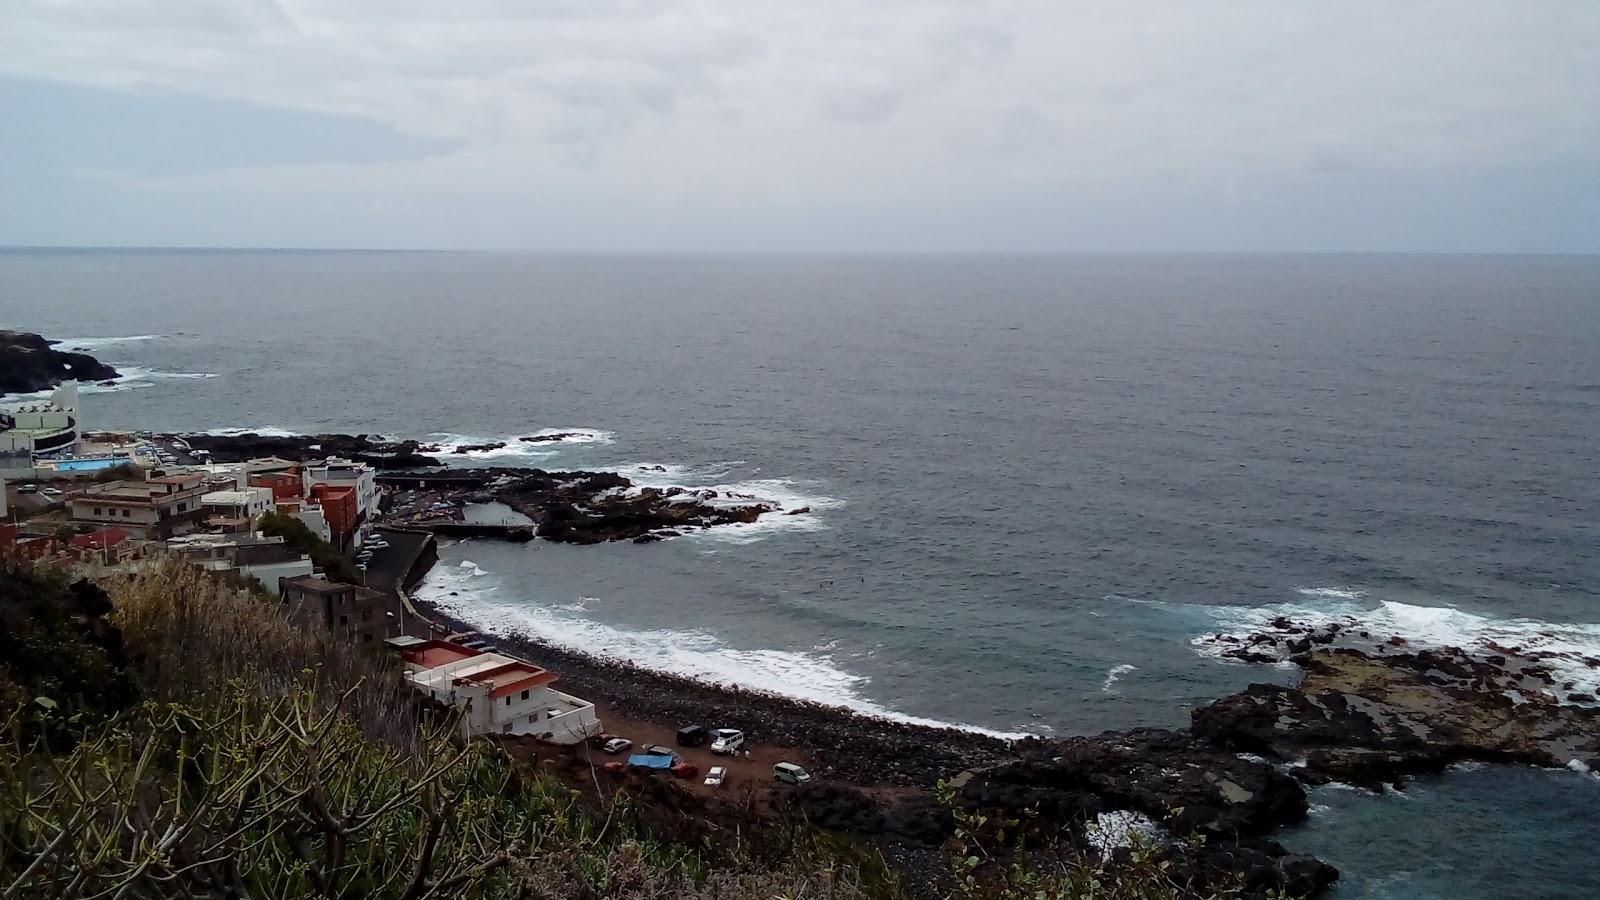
1032	482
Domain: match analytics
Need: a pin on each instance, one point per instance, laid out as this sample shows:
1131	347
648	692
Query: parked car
658	750
789	773
685	771
475	645
691	736
727	741
27	488
598	741
715	777
616	745
615	766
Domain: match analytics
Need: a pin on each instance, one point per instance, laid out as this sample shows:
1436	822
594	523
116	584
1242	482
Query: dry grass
192	634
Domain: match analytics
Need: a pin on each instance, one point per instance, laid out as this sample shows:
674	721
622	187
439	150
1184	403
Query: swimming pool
91	465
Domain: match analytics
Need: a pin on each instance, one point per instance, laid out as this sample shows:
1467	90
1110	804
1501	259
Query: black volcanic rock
29	362
594	507
1372	719
1150	770
378	453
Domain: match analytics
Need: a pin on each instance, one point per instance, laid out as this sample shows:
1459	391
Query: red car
685	770
614	767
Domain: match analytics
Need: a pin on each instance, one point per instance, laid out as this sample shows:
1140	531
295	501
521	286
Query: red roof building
100	539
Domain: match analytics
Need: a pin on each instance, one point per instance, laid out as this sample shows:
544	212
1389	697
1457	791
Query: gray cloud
764	119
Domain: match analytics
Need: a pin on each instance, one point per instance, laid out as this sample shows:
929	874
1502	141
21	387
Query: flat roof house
149	510
500	694
357	613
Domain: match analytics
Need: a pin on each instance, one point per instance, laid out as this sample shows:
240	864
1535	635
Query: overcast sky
616	125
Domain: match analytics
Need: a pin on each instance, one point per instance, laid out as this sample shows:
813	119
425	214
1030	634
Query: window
366	615
508	699
533	719
97	510
506	728
183	507
127	513
344	620
524	695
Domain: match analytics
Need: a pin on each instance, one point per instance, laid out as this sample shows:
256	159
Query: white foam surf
1119	828
262	430
1564	647
128	378
1115	673
83	344
470	593
797	508
451	444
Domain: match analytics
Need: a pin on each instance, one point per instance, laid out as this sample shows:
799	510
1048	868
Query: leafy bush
59	651
297	535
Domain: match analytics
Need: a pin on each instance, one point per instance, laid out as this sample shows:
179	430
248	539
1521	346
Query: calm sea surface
1031	482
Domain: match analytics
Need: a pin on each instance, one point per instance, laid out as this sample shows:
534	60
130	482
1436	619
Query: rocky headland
1371	710
30	362
576	507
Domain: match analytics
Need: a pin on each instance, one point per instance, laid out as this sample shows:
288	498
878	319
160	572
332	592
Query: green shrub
297	535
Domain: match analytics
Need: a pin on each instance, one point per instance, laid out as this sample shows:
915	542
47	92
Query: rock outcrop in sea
1374	715
29	362
375	451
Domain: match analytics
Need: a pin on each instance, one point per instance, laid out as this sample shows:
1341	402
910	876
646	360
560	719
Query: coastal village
107	501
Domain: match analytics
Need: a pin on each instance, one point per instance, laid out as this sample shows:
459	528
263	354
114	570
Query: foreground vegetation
184	740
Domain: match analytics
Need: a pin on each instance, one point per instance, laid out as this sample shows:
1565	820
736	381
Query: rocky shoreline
574	507
30	362
879	778
1368	717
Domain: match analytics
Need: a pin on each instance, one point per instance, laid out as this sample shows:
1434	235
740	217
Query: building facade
46	427
356	613
498	694
336	472
153	509
233	509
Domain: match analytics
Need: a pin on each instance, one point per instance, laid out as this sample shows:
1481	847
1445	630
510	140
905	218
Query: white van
789	773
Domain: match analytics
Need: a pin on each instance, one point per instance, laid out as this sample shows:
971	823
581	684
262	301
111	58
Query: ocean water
1031	482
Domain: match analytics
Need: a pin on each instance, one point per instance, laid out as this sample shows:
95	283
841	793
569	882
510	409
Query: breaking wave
515	448
82	344
129	378
264	431
1115	673
468	592
1566	648
787	496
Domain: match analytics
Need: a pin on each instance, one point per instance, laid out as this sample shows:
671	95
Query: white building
501	694
314	519
44	427
266	559
243	505
343	473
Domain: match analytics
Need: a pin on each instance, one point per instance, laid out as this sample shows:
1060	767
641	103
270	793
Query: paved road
388	569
